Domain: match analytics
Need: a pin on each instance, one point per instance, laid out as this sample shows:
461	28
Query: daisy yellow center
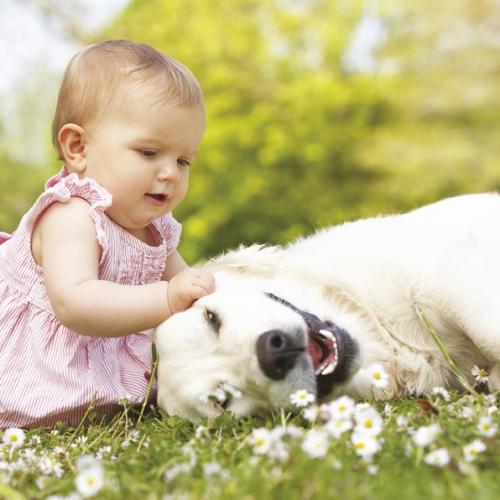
342	408
260	442
90	481
369	423
360	445
377	376
13	438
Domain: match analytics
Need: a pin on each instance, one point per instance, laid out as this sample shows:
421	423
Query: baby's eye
183	163
148	153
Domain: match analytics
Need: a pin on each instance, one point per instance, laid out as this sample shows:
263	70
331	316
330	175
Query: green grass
145	453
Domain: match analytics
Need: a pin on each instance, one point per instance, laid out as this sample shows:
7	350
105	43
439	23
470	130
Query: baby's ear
72	140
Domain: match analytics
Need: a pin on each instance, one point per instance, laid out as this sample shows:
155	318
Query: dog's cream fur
371	277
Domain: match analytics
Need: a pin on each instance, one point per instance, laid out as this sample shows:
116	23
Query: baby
93	264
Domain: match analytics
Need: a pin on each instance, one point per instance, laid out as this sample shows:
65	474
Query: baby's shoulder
75	209
62	221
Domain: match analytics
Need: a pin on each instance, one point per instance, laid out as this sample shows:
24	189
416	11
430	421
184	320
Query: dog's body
366	282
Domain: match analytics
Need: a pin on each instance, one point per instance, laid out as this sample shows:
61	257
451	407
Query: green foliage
294	141
19	186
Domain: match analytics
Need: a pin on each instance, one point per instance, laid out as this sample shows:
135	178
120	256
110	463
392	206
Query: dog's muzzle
331	349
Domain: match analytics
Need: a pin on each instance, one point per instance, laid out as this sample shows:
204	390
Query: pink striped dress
49	373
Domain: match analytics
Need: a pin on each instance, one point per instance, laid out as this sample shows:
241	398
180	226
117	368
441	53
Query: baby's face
140	152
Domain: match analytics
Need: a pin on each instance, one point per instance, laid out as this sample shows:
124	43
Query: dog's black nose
277	353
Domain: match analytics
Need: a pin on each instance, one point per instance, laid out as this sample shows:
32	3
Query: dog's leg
494	378
466	289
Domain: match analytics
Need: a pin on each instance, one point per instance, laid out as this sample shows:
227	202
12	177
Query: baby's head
131	118
105	71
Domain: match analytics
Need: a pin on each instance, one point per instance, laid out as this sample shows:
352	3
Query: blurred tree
299	138
442	60
283	116
323	110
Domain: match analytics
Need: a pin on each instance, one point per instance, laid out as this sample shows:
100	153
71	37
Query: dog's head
255	342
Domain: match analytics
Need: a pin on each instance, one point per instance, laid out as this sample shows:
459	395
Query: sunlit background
319	111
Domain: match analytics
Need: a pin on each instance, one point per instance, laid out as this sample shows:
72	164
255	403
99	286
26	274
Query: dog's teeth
328	369
327	334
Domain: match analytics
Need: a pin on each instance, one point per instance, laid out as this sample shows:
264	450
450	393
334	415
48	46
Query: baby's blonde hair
94	76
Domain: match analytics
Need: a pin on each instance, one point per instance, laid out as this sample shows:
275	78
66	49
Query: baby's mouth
158	199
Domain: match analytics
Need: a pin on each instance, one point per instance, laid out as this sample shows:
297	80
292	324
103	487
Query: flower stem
454	368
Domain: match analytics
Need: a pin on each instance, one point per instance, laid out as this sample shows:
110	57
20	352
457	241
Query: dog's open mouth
330	347
323	350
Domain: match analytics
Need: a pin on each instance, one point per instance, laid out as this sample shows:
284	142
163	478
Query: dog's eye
213	319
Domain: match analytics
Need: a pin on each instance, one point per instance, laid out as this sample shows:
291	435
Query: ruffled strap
61	188
170	230
4	237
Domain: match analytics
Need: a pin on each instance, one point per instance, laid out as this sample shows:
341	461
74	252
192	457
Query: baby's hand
187	286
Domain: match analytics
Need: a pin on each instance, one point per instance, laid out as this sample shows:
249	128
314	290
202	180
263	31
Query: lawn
444	446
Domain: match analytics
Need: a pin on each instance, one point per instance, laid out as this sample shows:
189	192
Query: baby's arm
70	256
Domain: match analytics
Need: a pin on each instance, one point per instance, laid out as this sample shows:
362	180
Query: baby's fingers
205	281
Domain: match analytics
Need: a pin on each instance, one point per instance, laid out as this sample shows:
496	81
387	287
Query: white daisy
315	443
337	426
465	468
294	431
49	465
175	471
491	399
42	482
260	439
365	445
425	435
219	394
279	452
401	421
201	432
361	406
342	407
231	390
277	433
487	427
480	374
211	469
311	413
472	450
89	481
467	412
302	398
439	457
14	437
441	391
377	375
368	420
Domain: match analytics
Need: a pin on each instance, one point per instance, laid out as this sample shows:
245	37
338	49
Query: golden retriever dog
312	314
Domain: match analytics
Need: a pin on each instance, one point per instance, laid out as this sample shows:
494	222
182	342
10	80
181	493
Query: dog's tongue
315	350
322	348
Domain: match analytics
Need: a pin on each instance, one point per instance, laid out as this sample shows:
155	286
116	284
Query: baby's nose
169	171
